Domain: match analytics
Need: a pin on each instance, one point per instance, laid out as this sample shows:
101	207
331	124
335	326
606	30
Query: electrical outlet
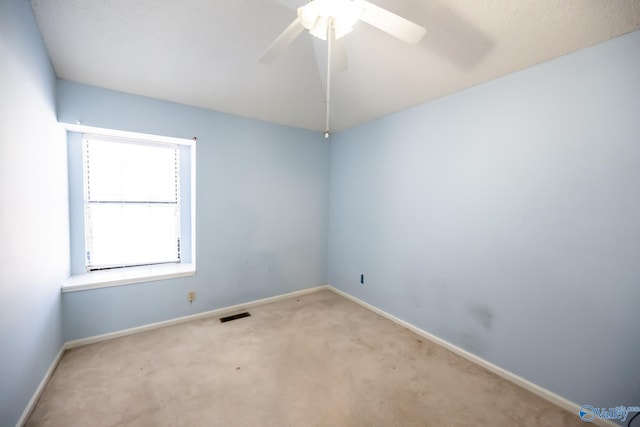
192	296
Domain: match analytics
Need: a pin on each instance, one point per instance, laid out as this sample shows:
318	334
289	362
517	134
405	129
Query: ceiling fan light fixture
317	15
319	28
332	19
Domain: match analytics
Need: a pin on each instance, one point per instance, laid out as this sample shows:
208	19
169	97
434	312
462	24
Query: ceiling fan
331	20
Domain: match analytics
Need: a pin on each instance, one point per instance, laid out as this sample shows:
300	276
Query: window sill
126	276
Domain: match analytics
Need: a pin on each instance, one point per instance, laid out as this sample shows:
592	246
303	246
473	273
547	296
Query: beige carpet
315	360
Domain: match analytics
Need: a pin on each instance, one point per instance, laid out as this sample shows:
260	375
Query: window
132	207
131	203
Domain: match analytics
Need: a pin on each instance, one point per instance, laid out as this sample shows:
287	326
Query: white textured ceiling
203	52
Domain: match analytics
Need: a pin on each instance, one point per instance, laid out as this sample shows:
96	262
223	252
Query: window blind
132	203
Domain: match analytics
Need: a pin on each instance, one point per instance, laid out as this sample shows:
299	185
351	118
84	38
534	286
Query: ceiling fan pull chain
330	36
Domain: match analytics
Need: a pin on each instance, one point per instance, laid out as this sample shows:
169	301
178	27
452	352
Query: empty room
319	213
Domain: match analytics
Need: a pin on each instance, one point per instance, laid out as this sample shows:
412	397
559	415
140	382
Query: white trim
127	276
193	189
90	340
82	282
212	313
80	128
507	375
36	394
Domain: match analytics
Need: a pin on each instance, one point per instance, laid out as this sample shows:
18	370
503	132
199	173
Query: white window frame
129	275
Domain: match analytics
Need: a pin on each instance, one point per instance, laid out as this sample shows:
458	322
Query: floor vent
234	317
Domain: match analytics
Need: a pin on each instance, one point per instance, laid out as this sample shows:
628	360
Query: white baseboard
211	313
36	395
90	340
509	376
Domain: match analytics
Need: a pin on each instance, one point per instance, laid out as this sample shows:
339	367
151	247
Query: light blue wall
505	219
34	255
262	211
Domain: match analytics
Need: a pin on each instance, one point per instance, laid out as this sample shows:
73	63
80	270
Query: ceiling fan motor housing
317	15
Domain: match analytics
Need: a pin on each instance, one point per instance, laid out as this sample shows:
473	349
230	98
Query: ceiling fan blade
339	61
281	42
391	23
